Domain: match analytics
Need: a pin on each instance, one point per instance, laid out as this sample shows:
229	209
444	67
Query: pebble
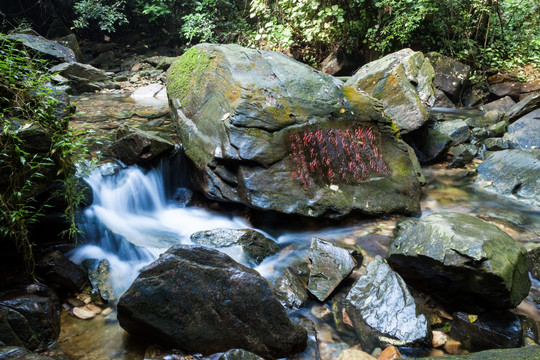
84	298
390	353
107	311
321	311
74	302
83	313
354	354
436	352
439	339
452	347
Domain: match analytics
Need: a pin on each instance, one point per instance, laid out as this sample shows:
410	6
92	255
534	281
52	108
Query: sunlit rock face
269	132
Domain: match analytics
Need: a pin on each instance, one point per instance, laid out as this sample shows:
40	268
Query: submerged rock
383	311
501	329
534	262
255	245
266	131
465	263
290	289
201	300
512	173
525	132
402	81
329	266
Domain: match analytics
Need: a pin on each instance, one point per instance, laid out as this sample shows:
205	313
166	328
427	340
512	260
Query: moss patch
186	73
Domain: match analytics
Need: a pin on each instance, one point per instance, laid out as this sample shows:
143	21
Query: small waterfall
134	218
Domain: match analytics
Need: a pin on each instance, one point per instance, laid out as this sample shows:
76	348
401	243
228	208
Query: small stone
107	311
84	298
74	302
321	311
93	308
346	318
83	313
439	339
354	354
452	347
390	353
436	353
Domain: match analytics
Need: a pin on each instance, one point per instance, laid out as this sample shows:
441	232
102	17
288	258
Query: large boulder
383	311
512	173
402	81
465	263
201	300
264	130
451	76
523	107
525	133
46	48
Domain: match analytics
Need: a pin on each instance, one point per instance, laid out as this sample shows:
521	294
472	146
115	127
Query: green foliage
106	14
26	105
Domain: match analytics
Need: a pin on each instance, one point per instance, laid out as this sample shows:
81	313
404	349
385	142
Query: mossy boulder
269	132
402	81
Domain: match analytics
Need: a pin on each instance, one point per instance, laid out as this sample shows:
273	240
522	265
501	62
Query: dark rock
462	155
35	139
525	353
501	329
534	262
402	81
19	353
134	146
512	173
416	166
436	146
311	352
479	133
70	41
495	144
474	96
522	108
329	266
458	130
465	263
525	133
46	48
201	300
57	269
161	62
239	354
290	289
255	245
502	104
441	100
29	317
104	60
383	311
498	129
451	76
274	134
337	63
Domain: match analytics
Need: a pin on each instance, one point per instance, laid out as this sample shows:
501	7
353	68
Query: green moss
186	72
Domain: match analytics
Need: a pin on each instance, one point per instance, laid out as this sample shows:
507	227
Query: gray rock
402	81
383	311
489	118
441	100
525	133
462	155
502	104
465	263
524	107
255	245
239	354
290	289
78	70
266	131
458	130
498	129
161	62
495	144
338	63
329	266
201	300
451	76
47	48
500	329
512	173
436	146
525	353
534	262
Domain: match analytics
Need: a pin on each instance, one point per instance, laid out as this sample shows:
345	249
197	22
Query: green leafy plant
106	14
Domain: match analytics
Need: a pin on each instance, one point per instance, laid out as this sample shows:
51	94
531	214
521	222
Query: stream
137	214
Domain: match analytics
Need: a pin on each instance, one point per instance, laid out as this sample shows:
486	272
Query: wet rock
436	146
498	129
390	353
402	81
458	130
525	132
19	353
465	263
451	76
255	245
534	262
452	347
355	354
290	289
134	146
239	354
525	353
329	266
522	108
86	312
274	134
501	329
35	138
29	317
502	104
57	269
46	48
99	275
512	173
383	311
191	294
439	339
462	155
311	352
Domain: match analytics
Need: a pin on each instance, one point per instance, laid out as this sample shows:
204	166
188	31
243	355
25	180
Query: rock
390	353
99	275
452	347
500	329
534	262
462	155
458	130
525	133
383	311
104	60
451	76
512	173
522	108
402	81
441	100
70	41
498	129
191	294
19	353
29	317
354	354
161	62
266	131
439	339
152	91
502	104
495	144
255	245
75	69
489	118
436	146
329	266
134	146
337	63
35	138
525	353
463	262
46	48
57	269
505	86
86	312
290	290
239	354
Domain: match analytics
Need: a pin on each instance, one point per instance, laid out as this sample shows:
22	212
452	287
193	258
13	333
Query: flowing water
137	214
